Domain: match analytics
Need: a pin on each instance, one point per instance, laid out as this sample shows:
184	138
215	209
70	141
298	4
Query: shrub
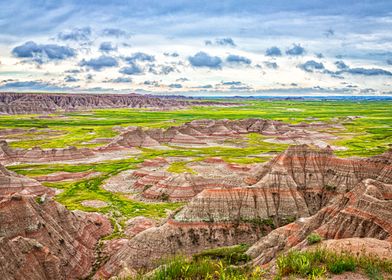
229	255
342	263
313	238
164	197
373	272
39	200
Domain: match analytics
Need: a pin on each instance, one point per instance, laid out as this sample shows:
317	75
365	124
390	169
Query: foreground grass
231	263
219	263
318	263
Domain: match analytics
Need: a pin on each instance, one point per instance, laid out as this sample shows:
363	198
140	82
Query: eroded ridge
33	103
208	132
41	239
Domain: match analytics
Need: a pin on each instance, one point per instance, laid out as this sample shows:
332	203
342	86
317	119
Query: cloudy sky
212	47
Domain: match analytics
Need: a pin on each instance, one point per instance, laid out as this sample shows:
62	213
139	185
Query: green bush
342	264
229	255
373	272
181	268
313	238
306	264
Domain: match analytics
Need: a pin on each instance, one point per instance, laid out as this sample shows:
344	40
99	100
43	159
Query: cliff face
148	247
297	183
30	103
41	239
365	211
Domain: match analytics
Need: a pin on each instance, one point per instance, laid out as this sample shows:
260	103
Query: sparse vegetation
313	264
230	255
317	263
210	264
313	238
180	167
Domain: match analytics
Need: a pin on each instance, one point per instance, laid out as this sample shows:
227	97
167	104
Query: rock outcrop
9	155
38	103
297	183
46	241
366	246
365	211
148	247
36	154
12	183
153	182
202	132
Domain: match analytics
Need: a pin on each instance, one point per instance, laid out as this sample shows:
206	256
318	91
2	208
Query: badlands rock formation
153	182
297	183
203	132
199	132
66	176
39	238
36	154
10	155
12	183
322	192
46	241
31	103
360	246
365	211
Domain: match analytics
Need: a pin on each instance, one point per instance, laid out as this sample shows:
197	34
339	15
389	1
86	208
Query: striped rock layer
365	211
9	155
46	241
12	183
297	183
305	184
201	132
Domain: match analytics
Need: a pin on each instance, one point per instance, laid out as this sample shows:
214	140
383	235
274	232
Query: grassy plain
367	135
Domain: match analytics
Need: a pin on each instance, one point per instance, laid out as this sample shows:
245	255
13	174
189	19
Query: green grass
75	192
232	263
233	255
365	136
313	238
219	263
317	263
120	207
180	167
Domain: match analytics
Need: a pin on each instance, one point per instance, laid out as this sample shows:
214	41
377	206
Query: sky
198	47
